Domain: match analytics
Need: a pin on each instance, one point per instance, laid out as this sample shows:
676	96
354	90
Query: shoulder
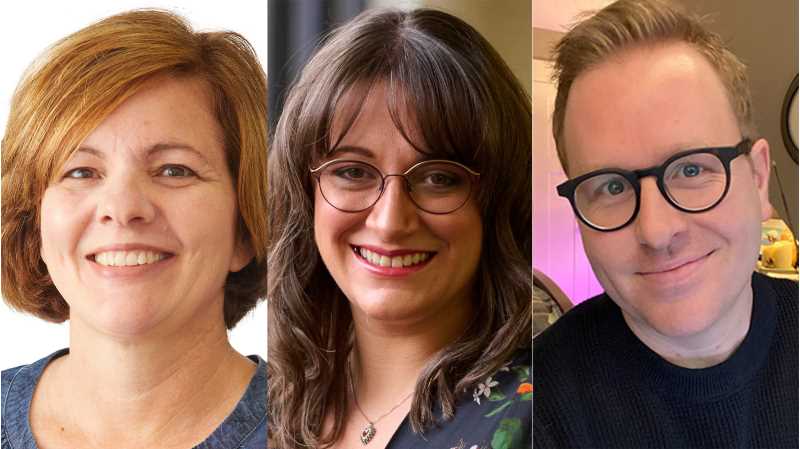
779	298
499	412
18	384
784	291
246	426
252	409
24	377
579	324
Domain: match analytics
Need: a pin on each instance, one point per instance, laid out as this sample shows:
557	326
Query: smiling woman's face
440	252
138	227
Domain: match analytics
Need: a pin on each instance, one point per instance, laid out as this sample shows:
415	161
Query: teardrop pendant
367	433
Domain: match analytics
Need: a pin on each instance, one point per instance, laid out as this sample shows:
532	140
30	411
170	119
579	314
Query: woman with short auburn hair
134	192
399	279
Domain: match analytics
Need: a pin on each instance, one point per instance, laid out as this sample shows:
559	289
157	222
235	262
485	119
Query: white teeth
127	258
406	260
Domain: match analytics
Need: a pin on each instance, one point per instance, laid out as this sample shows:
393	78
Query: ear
761	164
242	253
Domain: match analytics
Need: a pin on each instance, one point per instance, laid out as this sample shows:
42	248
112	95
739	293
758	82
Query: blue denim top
244	428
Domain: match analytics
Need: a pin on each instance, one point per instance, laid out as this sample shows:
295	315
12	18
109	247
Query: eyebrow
353	149
671	149
152	149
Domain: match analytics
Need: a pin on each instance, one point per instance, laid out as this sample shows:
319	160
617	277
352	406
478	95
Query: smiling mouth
128	258
674	268
397	261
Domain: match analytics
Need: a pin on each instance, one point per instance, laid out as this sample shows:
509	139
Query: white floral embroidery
460	444
484	389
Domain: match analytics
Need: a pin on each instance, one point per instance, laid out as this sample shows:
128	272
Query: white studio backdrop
27	28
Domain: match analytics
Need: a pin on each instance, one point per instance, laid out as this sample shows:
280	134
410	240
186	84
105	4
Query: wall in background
764	35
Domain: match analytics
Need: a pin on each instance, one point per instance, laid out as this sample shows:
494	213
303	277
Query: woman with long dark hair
399	280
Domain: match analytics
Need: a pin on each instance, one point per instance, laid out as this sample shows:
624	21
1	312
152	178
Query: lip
393	252
129	247
675	272
390	272
134	271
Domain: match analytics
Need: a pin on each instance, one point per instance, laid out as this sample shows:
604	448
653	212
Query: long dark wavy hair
466	105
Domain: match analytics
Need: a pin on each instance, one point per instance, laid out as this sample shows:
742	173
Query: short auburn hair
628	23
70	89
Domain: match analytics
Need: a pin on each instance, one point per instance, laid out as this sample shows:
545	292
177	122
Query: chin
684	319
384	307
123	321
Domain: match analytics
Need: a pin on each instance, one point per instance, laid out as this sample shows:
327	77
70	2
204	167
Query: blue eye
615	187
176	171
80	173
690	170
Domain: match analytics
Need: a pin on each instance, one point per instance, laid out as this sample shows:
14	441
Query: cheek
193	218
463	230
330	224
607	250
63	218
325	224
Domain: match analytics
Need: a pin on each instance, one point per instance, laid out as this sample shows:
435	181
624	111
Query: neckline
246	418
703	384
522	356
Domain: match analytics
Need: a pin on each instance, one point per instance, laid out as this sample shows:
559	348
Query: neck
706	348
388	352
154	384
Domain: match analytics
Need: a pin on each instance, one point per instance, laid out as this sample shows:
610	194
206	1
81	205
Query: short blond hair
627	23
75	85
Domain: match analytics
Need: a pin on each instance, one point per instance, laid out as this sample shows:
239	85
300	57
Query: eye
81	173
353	173
614	187
176	171
441	179
690	170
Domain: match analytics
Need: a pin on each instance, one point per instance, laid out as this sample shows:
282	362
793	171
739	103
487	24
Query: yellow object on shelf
781	254
778	249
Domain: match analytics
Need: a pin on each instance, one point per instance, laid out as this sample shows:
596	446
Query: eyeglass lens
693	183
437	187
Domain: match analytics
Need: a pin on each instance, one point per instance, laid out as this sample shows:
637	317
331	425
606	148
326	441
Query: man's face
675	273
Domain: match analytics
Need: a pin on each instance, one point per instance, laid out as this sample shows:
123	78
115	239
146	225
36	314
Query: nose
658	224
394	215
125	200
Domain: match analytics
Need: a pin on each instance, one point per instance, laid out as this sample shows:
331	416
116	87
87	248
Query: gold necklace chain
369	431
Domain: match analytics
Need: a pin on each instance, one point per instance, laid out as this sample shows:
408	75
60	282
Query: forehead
640	106
377	120
165	109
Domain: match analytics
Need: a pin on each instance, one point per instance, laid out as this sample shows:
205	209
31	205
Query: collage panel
664	223
399	282
134	225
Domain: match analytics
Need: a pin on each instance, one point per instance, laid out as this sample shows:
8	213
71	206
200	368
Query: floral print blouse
495	415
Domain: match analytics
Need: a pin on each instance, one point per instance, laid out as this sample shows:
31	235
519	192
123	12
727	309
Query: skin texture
682	280
413	315
155	337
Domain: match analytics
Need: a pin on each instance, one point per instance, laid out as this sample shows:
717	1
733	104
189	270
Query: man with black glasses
668	177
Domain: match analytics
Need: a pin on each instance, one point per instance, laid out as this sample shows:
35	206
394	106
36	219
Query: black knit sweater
598	386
